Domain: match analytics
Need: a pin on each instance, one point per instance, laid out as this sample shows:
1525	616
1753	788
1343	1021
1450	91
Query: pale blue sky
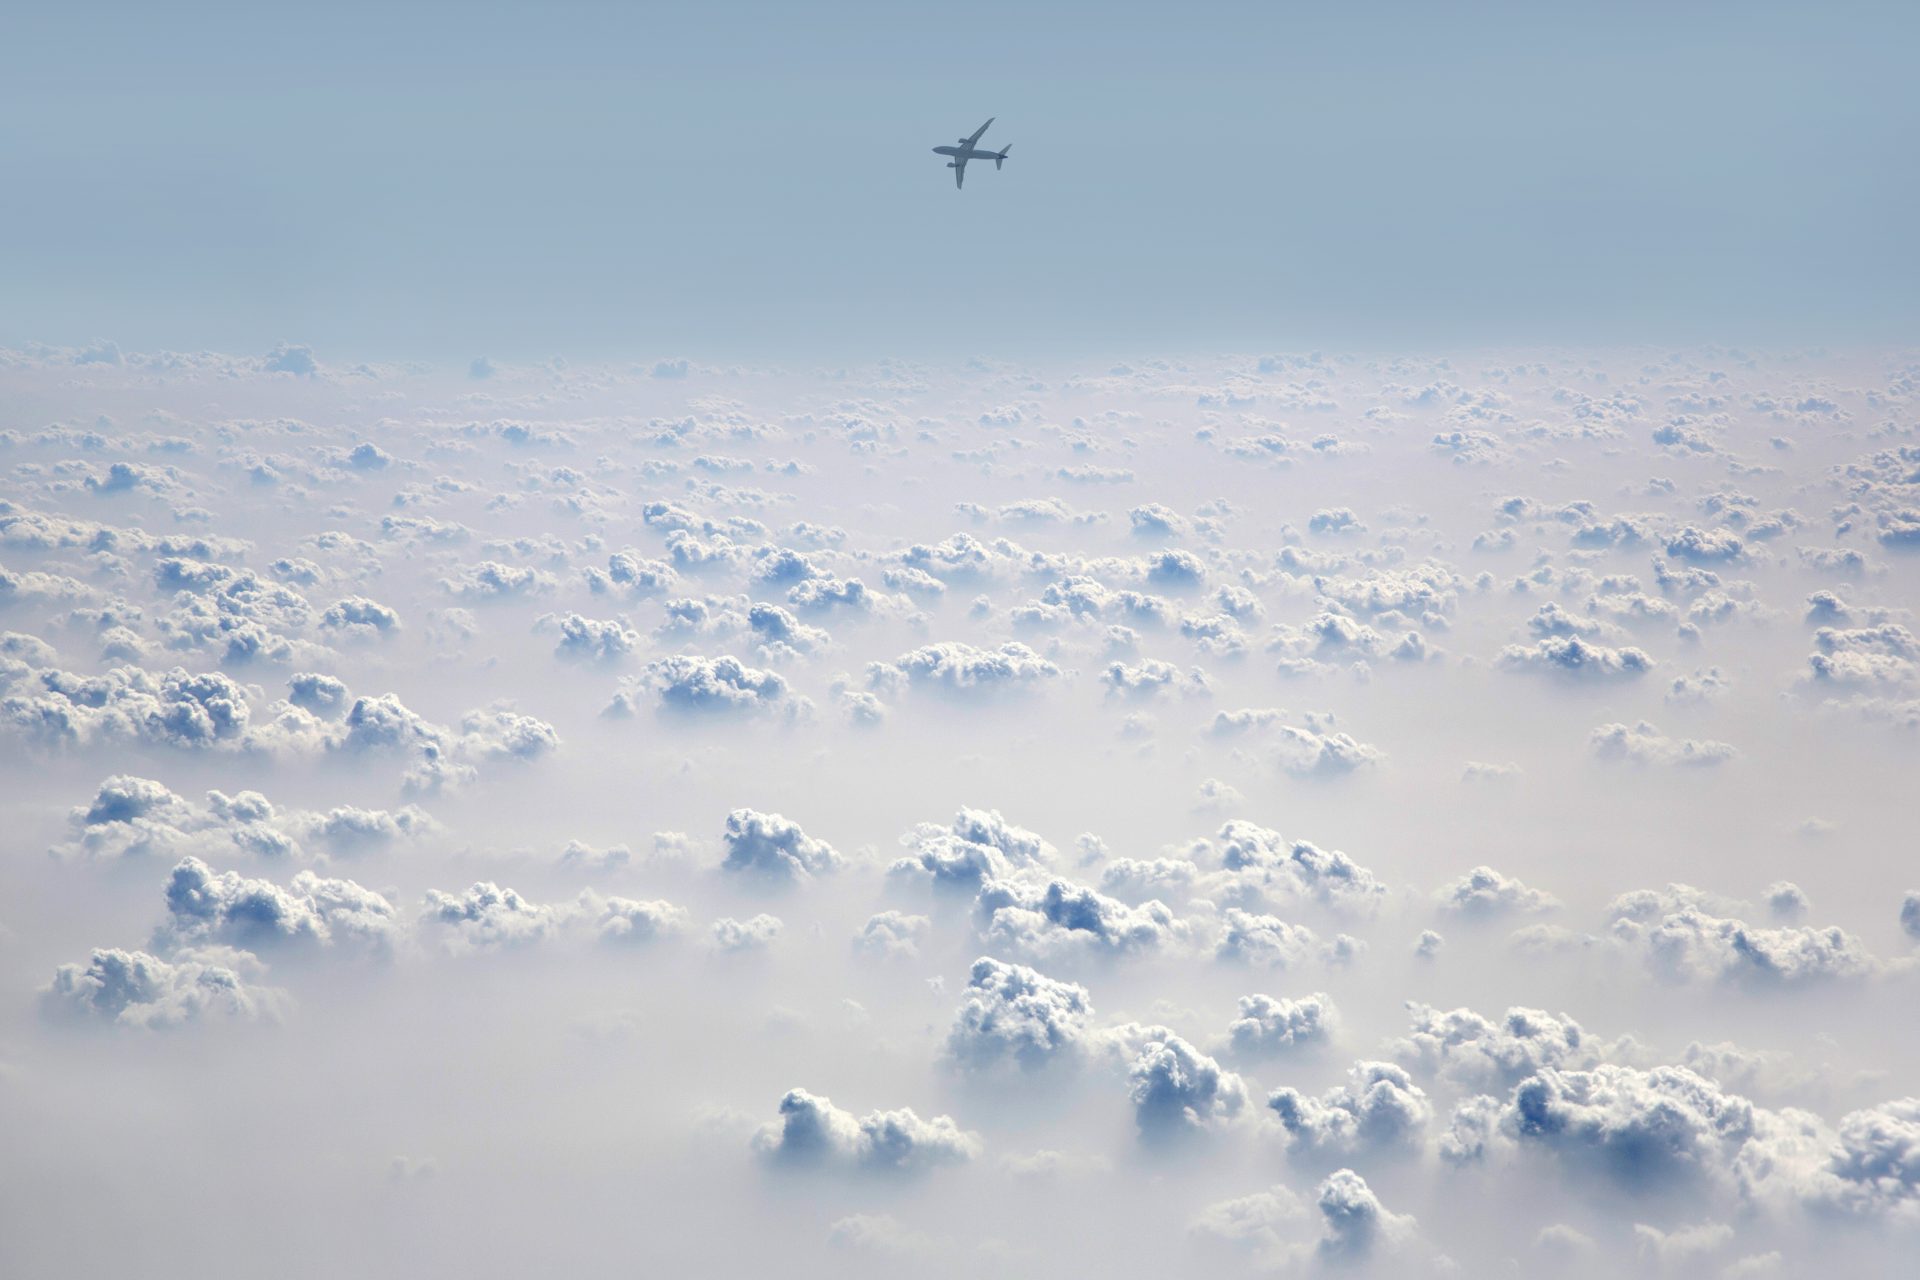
751	181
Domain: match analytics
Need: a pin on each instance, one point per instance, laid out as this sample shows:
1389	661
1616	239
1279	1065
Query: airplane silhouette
967	151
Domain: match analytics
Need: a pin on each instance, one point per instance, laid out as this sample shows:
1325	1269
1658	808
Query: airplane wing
977	132
959	172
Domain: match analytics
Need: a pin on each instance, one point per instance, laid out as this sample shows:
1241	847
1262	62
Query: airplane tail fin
1002	156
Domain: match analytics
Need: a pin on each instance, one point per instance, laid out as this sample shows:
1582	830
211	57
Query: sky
732	181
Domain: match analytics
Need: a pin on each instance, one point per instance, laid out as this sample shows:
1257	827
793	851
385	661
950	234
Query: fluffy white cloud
1353	1230
1175	1088
492	580
134	817
1484	893
1305	753
135	989
961	670
1354	1224
227	908
1572	656
1645	745
1267	1025
1681	938
594	640
1152	678
488	916
172	708
630	921
1480	1053
1261	868
977	846
1011	1013
1379	1108
766	844
689	684
1042	919
754	934
1251	938
812	1131
892	935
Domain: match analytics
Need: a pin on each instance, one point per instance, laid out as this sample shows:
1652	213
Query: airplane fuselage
967	149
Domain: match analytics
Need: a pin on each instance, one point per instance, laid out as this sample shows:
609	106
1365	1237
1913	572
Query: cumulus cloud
977	846
134	817
1354	1224
1668	1128
1261	868
755	934
1683	940
1300	751
359	618
1877	657
1176	1088
631	921
693	685
1151	679
1639	1127
492	580
1137	879
136	989
174	708
1643	744
1572	656
1307	753
1481	1053
1267	1025
1353	1229
811	1131
1249	937
1873	1167
1043	919
590	640
500	733
321	694
1484	893
1379	1108
892	935
634	575
1428	591
227	908
958	669
488	916
1011	1013
213	713
768	845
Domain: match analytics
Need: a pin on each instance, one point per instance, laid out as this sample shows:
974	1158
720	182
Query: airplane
967	151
